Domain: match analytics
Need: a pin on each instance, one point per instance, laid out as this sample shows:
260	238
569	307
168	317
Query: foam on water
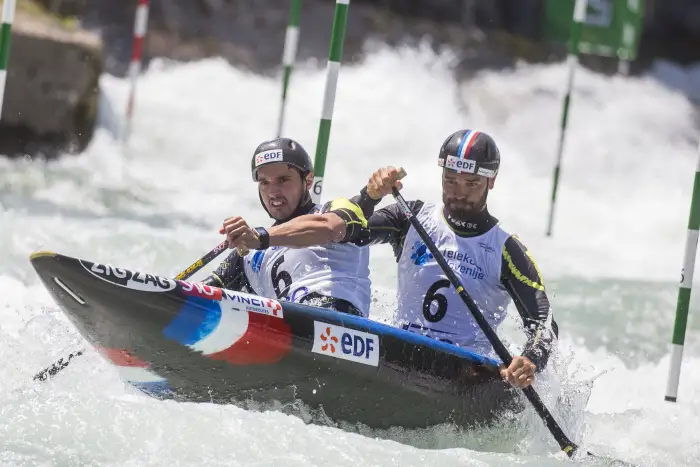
622	212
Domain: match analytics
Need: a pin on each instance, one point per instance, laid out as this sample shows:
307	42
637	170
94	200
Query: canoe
189	342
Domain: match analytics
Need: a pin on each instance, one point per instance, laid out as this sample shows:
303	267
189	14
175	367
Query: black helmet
281	150
470	151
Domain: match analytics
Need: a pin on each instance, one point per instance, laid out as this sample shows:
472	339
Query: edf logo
347	344
268	156
462	165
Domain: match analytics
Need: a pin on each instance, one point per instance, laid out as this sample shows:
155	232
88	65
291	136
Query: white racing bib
337	270
427	301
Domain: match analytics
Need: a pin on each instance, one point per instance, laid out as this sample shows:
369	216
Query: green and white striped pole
680	324
8	16
572	61
335	55
629	32
291	40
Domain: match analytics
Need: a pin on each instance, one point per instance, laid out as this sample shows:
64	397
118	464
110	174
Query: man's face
281	189
464	194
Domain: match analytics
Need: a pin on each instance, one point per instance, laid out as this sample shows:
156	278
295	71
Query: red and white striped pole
140	26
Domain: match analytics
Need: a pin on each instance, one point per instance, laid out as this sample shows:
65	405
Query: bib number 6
431	296
282	276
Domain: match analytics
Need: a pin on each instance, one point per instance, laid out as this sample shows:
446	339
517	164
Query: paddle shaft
203	261
61	363
564	442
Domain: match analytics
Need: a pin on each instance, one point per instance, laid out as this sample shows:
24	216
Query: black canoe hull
188	342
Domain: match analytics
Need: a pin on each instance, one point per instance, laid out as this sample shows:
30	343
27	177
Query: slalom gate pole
140	26
623	60
291	41
623	67
8	16
572	61
630	31
335	55
683	304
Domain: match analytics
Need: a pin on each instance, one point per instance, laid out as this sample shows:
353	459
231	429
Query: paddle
568	446
59	365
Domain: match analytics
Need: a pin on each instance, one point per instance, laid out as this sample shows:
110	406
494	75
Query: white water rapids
612	266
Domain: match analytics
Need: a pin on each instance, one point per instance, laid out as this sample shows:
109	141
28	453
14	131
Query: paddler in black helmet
333	274
493	265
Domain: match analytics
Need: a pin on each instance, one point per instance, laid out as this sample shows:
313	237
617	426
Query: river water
612	266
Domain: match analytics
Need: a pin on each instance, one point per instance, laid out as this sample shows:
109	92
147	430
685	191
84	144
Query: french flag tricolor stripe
466	144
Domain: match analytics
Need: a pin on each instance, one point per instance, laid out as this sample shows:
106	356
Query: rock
52	91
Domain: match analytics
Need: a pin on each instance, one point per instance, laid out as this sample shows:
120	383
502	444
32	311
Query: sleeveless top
427	301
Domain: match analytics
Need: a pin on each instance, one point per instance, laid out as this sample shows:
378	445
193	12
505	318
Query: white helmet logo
268	156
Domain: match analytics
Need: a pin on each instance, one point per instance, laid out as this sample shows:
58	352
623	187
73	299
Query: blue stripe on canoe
198	317
154	389
364	324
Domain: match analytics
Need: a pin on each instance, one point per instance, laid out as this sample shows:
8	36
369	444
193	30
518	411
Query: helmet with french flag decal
470	151
284	150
